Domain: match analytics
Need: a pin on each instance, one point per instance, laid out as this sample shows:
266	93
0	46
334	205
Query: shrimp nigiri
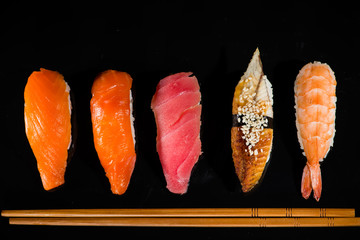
315	104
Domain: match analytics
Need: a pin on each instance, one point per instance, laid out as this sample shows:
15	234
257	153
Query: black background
158	38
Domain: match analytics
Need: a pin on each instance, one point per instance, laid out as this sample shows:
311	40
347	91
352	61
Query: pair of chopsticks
188	217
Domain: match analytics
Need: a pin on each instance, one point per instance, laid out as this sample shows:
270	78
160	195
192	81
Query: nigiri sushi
177	110
47	113
113	130
315	104
252	132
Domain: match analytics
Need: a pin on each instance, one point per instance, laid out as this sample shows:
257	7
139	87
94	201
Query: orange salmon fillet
47	114
111	115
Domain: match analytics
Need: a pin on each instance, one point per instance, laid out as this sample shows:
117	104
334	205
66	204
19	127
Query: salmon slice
112	121
252	133
177	110
315	104
47	114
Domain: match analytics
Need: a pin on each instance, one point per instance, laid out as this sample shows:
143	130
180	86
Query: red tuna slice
179	150
174	85
173	109
178	130
169	80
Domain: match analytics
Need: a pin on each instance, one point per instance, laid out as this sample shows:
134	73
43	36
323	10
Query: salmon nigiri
47	113
315	104
112	121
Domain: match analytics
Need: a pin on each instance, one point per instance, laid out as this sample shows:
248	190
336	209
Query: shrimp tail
306	183
311	180
316	180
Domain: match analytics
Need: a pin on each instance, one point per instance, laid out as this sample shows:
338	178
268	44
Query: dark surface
150	41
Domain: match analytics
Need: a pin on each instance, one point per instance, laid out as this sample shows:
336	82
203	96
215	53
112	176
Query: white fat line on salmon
67	90
132	119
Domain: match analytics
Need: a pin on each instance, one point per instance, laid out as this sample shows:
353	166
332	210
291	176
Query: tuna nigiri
177	110
47	114
112	121
252	133
315	104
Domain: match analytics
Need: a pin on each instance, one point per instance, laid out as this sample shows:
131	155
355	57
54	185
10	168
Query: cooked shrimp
315	104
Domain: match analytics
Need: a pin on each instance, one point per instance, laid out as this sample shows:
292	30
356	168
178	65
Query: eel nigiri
113	130
252	132
47	113
177	110
315	104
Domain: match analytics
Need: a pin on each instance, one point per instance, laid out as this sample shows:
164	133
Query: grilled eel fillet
252	132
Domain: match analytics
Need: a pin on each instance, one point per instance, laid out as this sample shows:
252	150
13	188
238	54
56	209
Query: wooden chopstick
184	212
187	217
191	222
